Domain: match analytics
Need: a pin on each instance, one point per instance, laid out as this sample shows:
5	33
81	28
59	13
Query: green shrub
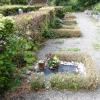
60	13
5	1
96	7
54	2
13	9
23	50
24	59
56	23
58	2
75	5
7	67
19	1
14	52
29	57
85	3
46	33
68	8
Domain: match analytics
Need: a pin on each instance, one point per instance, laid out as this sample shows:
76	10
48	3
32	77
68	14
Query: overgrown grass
67	81
37	82
76	81
67	33
70	22
60	13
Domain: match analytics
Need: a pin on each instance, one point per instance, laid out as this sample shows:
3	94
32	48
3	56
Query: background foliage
14	1
6	52
75	4
15	53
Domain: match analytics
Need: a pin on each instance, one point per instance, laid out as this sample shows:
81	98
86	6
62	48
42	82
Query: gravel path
63	95
91	35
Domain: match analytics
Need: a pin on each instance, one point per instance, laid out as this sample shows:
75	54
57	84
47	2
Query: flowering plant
53	62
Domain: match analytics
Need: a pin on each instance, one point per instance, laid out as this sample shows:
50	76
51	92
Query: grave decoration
53	64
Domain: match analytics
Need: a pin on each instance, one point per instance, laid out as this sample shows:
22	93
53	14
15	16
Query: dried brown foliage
90	81
67	32
31	23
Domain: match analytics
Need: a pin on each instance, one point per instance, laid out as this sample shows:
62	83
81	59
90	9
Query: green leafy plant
58	2
46	33
7	67
15	53
60	13
69	8
53	62
56	23
23	51
5	1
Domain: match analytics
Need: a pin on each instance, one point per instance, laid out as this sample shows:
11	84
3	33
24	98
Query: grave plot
66	71
67	33
69	27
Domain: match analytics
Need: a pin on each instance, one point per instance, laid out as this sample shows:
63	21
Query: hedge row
62	33
13	10
31	23
36	24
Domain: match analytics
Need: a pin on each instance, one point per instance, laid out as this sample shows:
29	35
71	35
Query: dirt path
88	44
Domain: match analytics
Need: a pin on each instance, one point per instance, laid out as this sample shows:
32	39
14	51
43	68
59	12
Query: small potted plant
53	62
41	64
